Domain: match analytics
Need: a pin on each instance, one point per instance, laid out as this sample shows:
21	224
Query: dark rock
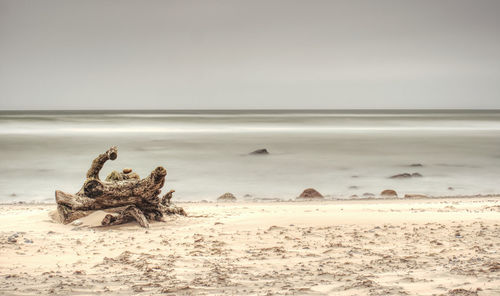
416	165
389	193
28	241
262	151
405	175
451	188
227	197
13	238
368	194
401	176
310	193
127	171
353	187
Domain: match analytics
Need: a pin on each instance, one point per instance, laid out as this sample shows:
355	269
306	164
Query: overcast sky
249	54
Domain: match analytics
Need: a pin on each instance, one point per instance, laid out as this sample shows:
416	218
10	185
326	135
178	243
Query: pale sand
389	247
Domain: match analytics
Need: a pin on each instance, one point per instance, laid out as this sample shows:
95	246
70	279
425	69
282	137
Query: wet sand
364	247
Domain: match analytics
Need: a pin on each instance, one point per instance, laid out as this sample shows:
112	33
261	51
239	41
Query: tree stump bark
124	194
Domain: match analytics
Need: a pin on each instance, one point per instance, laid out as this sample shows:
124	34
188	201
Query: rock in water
416	165
405	175
401	176
227	197
260	152
389	193
310	193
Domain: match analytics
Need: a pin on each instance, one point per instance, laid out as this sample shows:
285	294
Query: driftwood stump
124	195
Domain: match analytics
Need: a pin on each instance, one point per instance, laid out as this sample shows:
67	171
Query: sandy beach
441	246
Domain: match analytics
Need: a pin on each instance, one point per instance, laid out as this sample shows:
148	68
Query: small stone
260	152
127	171
406	175
130	176
401	176
28	241
13	238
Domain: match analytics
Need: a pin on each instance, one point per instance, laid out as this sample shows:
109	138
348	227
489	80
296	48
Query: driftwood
123	194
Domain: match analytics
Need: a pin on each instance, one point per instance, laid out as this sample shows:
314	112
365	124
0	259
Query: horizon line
251	109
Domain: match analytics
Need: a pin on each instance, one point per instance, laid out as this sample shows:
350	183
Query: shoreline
296	200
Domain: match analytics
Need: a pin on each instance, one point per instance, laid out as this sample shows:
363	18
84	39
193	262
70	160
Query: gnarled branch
131	197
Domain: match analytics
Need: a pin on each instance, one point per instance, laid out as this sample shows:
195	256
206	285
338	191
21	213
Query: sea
344	154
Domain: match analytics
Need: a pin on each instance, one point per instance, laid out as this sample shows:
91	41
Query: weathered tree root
125	194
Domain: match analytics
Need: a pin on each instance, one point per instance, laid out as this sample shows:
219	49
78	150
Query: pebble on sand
262	151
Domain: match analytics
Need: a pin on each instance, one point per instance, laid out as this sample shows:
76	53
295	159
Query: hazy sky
249	54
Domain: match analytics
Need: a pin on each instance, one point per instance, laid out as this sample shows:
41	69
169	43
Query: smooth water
206	152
